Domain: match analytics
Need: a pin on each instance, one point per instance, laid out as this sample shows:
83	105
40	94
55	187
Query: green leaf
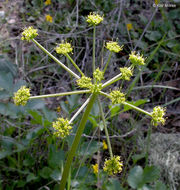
6	81
137	157
114	109
160	186
45	172
88	149
29	161
35	104
135	177
35	132
31	177
153	35
114	184
56	175
55	158
150	174
92	119
37	117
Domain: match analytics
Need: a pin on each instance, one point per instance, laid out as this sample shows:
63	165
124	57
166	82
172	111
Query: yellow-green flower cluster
98	75
126	73
113	165
21	96
95	168
62	127
158	115
29	33
94	88
94	19
117	97
113	46
84	82
136	59
64	48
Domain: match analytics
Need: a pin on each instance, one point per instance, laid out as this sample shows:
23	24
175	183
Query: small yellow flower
158	115
113	165
21	96
113	46
64	48
29	33
156	2
49	18
126	73
62	127
105	146
94	19
117	97
136	59
47	2
98	75
58	109
95	168
129	26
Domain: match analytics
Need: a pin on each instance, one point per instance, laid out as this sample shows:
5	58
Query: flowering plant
93	86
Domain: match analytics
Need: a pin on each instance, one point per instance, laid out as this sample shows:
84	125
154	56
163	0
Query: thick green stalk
55	59
109	58
60	94
76	141
94	46
72	61
105	128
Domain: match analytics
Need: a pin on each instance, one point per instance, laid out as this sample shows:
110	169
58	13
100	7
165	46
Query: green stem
148	144
105	128
128	104
76	141
138	109
60	94
109	58
94	43
72	61
55	59
113	80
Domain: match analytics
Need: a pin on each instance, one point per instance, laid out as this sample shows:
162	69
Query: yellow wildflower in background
156	2
58	109
105	146
49	18
94	19
95	168
129	26
47	2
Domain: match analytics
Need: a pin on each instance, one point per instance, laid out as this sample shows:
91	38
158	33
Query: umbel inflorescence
94	86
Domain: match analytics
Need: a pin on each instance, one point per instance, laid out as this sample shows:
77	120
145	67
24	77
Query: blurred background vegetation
30	157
